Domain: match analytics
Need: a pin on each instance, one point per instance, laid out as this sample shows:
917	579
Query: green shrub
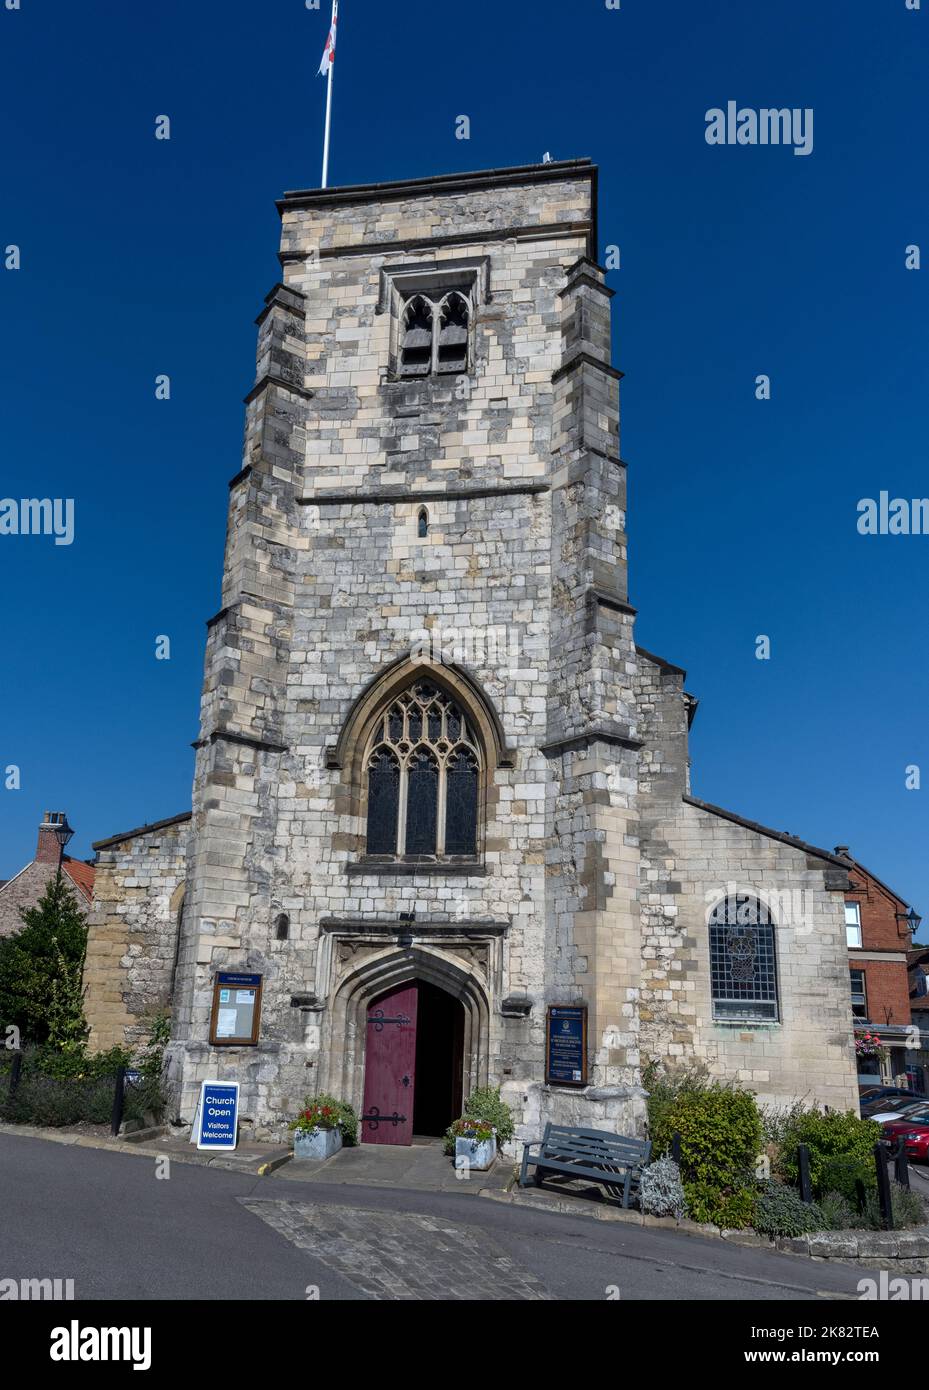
41	968
327	1112
730	1210
843	1175
837	1212
665	1084
720	1131
145	1100
485	1106
47	1100
779	1211
908	1207
63	1084
841	1148
777	1120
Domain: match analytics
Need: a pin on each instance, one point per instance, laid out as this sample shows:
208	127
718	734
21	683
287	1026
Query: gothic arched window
422	524
743	965
423	771
435	334
416	337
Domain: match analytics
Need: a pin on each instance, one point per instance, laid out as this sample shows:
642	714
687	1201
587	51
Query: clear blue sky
141	257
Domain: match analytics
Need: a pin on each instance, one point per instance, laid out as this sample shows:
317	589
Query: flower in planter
325	1112
478	1130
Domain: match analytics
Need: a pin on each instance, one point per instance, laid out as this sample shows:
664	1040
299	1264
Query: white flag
329	50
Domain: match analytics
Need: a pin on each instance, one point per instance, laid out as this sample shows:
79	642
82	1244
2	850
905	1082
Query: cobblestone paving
401	1255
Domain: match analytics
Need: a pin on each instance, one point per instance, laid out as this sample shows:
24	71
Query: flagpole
328	120
330	50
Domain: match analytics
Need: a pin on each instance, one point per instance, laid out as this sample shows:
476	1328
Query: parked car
890	1111
889	1105
914	1129
868	1094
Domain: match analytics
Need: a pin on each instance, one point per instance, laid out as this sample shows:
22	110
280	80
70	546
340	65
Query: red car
915	1131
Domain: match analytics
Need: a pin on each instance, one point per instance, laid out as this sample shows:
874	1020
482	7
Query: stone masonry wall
129	969
691	859
323	529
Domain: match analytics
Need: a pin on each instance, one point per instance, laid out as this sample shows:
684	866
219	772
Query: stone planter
474	1153
317	1143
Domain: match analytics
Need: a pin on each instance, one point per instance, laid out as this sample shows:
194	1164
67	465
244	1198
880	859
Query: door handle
406	1081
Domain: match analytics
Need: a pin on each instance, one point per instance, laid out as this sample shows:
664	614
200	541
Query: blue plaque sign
566	1045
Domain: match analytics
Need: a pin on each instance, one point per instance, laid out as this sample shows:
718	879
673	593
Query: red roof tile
81	874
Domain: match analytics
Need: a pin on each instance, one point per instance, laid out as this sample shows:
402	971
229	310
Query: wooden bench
595	1154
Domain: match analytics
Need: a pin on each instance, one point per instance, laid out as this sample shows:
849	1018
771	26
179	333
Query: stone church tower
438	789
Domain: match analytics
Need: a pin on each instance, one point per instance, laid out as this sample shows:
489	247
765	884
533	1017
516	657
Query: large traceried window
423	770
743	966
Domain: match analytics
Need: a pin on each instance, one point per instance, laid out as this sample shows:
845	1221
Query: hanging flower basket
869	1045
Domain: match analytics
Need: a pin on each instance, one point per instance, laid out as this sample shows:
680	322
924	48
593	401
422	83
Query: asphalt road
107	1222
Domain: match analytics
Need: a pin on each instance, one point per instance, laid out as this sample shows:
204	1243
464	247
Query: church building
443	834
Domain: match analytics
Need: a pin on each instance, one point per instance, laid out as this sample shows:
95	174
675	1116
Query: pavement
126	1224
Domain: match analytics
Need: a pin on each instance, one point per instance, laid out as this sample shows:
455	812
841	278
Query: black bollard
118	1097
883	1187
901	1166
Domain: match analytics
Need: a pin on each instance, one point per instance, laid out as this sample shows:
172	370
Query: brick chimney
50	847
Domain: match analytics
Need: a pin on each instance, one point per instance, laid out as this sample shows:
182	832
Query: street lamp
911	918
62	832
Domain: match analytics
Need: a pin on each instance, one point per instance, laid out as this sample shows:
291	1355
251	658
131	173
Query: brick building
25	889
918	971
879	926
441	791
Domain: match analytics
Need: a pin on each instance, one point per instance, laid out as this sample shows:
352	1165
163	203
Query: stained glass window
461	802
743	966
422	802
383	802
424	775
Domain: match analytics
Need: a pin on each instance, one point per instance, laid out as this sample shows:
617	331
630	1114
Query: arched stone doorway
414	1061
452	1033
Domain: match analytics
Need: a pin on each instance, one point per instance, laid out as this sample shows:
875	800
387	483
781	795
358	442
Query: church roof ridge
142	830
467	181
766	830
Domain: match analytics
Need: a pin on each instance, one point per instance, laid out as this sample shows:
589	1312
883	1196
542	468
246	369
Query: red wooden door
390	1068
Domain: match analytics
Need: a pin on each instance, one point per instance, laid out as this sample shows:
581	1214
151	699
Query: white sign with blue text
217	1115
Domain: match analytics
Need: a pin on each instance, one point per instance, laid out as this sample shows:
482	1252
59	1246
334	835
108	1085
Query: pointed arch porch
384	967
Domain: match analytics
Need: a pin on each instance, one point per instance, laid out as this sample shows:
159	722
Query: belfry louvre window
743	966
423	776
435	334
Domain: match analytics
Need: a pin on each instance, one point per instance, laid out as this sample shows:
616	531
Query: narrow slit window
422	524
